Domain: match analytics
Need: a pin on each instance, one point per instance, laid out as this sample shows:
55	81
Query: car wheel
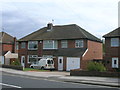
42	68
32	67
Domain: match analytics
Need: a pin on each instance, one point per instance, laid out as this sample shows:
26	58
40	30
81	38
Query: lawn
31	69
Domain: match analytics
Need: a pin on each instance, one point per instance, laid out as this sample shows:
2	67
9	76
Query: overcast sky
20	18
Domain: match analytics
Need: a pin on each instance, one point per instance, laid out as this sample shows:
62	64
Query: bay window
32	58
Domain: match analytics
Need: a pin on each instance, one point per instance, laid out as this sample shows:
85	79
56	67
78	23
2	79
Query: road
16	81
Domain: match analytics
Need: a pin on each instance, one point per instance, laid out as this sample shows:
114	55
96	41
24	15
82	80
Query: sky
20	18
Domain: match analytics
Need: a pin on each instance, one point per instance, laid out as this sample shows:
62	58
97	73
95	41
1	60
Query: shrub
16	62
94	66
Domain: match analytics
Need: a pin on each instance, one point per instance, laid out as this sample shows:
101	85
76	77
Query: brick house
70	46
112	49
7	44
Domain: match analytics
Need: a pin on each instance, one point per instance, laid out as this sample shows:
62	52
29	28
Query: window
79	43
60	60
114	42
17	46
115	62
50	44
23	44
49	61
32	58
64	44
33	45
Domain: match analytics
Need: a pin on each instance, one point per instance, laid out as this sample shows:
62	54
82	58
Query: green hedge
12	67
95	66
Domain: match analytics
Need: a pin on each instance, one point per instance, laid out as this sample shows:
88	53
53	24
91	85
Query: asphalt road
16	81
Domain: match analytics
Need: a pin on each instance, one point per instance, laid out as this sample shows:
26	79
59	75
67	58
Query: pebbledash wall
94	51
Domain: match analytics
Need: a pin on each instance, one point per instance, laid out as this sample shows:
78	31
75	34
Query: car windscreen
49	61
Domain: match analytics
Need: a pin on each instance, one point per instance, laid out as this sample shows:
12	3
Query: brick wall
7	47
110	52
94	51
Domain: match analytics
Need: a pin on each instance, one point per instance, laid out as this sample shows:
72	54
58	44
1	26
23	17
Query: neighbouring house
112	49
70	46
7	46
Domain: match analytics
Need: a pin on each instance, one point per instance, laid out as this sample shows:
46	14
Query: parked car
44	63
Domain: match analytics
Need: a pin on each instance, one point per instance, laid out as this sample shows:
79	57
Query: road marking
10	85
57	81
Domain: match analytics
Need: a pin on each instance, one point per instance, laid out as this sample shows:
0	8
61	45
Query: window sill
32	49
49	48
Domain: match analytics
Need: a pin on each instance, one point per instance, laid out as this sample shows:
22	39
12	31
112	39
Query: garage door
72	63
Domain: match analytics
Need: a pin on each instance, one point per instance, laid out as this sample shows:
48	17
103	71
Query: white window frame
115	42
24	43
53	42
64	42
32	56
115	65
32	48
79	41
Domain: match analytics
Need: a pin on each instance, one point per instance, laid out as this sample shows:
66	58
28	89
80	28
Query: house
7	44
112	49
70	46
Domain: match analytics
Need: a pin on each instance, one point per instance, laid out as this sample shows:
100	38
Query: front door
23	61
114	62
60	63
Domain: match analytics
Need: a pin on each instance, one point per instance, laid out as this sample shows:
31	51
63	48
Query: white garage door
72	63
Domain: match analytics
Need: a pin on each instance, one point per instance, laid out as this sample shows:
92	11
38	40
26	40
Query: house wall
25	52
111	52
94	52
7	47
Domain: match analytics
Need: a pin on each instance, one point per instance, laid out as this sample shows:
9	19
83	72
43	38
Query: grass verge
31	69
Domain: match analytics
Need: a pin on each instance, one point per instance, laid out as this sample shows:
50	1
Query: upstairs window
50	44
17	46
23	45
114	42
33	45
64	44
79	44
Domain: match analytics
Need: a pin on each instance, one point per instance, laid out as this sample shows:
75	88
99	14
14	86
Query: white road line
10	85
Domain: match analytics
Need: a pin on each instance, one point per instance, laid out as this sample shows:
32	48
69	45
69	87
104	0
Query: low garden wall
12	67
94	73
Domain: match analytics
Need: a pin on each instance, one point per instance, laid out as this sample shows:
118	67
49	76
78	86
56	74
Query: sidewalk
65	77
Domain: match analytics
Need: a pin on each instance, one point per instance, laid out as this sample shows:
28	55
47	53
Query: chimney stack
49	26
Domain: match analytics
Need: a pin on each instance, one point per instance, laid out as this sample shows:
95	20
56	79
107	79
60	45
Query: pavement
65	77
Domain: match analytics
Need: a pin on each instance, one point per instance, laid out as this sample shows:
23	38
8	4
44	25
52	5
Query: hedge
12	67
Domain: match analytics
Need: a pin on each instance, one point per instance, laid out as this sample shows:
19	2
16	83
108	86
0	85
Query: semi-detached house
70	46
112	49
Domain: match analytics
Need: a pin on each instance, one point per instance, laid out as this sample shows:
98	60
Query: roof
6	38
114	33
70	52
71	31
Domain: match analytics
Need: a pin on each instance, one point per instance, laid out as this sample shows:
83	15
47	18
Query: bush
16	62
94	66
